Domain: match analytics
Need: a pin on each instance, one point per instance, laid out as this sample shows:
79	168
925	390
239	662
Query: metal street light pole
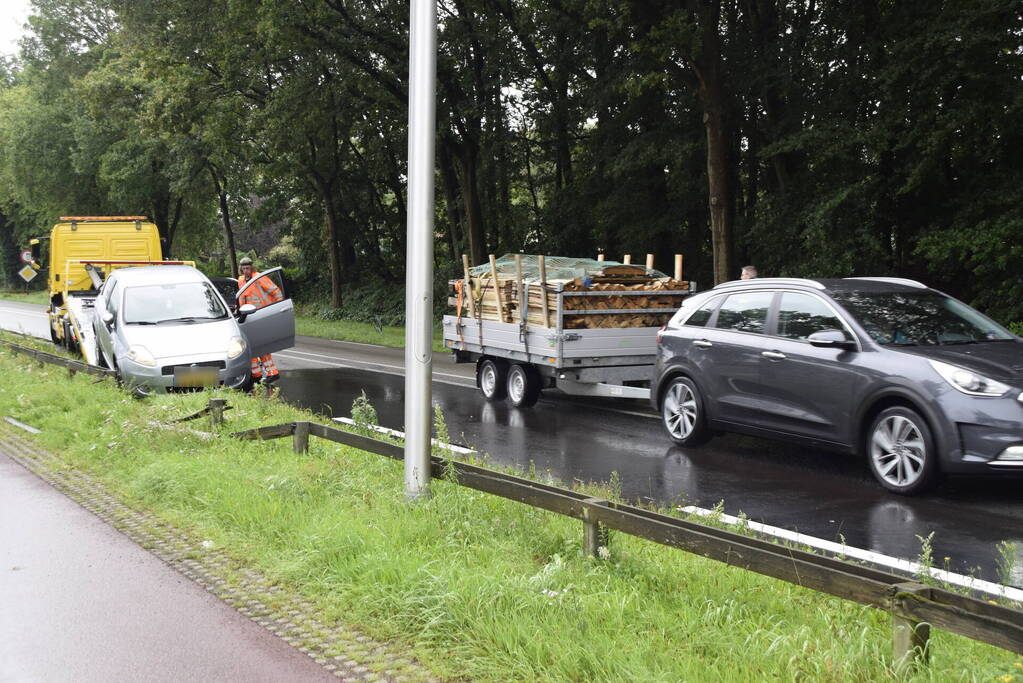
419	257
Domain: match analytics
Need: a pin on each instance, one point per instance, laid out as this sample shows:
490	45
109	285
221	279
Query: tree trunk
450	182
471	198
225	216
161	216
333	252
708	69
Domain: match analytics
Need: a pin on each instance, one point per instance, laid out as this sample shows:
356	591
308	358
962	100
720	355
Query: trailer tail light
660	333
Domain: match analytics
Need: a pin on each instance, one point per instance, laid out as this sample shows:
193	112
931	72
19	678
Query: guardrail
72	365
914	607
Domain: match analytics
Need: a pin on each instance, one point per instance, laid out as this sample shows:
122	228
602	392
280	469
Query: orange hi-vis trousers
261	364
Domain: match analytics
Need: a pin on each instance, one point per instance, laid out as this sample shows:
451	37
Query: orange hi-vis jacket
261	294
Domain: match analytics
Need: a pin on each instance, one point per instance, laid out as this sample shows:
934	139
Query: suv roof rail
772	281
892	280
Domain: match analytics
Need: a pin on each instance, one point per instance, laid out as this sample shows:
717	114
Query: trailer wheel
491	378
523	386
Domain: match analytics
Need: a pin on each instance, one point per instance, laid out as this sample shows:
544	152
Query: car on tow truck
918	382
167	328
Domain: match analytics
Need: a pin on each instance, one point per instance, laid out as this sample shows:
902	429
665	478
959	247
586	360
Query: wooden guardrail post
300	439
909	637
594	533
217	412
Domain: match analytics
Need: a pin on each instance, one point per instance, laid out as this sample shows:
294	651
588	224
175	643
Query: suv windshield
184	302
919	318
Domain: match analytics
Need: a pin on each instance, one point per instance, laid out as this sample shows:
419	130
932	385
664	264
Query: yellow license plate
195	377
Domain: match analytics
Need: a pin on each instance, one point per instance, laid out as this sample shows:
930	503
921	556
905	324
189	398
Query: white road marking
913	568
22	311
836	549
388	368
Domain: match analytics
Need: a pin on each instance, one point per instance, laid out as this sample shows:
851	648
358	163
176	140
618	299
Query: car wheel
523	386
682	413
901	451
491	376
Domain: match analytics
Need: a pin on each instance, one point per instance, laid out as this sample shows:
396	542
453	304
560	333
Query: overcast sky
13	14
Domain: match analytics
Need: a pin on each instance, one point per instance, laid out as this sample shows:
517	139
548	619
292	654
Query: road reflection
824	494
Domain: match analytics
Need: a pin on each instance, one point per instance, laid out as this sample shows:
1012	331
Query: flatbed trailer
518	360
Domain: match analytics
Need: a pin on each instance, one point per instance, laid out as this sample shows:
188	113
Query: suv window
701	315
800	315
745	312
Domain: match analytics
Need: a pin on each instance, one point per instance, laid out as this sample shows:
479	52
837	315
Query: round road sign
26	256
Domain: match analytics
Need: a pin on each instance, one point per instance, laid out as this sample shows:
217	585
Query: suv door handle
702	343
773	355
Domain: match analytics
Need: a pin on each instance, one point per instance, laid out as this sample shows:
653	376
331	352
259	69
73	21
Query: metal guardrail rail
914	607
72	365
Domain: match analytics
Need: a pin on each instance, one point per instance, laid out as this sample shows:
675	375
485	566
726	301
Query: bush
377	303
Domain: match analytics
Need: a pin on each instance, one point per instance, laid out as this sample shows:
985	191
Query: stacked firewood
651	310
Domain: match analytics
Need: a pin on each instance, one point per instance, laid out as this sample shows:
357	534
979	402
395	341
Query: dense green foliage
474	586
813	138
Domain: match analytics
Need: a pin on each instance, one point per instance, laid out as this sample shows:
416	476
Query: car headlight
968	381
141	355
235	347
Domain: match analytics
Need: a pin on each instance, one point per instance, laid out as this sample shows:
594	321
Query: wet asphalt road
81	602
823	494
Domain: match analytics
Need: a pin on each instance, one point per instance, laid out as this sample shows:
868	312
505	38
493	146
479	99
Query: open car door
271	327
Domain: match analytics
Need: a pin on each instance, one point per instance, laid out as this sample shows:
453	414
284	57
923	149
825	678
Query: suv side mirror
831	339
244	311
108	318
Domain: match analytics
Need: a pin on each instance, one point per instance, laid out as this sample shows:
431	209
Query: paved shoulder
82	602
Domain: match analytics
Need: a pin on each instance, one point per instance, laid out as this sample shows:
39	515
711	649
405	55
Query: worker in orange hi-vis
263	293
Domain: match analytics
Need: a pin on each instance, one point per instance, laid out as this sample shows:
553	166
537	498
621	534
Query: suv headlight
235	347
141	355
968	381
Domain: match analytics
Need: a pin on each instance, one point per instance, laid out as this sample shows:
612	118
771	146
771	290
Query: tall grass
475	586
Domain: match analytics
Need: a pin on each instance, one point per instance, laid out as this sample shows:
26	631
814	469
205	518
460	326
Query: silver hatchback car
167	328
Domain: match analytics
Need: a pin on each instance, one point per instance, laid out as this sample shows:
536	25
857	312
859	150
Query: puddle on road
823	494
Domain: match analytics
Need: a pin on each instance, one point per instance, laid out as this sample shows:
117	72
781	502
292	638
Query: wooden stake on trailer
650	261
543	289
523	292
627	259
497	288
678	266
468	286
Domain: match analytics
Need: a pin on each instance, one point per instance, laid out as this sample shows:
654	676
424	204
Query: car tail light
660	332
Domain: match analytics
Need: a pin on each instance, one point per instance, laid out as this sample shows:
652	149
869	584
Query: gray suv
914	379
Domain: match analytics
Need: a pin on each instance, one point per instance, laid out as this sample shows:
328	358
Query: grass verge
476	587
347	330
36	297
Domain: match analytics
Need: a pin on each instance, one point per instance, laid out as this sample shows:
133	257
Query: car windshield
183	302
920	318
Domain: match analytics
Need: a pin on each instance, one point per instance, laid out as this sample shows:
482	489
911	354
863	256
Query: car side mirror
831	339
244	311
108	318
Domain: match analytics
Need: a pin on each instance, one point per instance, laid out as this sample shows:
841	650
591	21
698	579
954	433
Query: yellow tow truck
83	250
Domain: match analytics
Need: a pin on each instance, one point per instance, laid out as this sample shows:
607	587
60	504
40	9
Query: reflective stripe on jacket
261	294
